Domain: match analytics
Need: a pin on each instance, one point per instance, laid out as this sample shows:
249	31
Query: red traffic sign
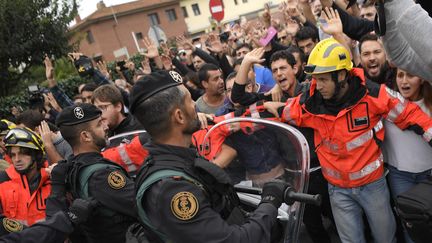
216	9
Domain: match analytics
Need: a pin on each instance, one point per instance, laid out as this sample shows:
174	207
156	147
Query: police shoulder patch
116	180
184	205
12	225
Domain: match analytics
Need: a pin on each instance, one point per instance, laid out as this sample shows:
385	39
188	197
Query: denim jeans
401	181
348	205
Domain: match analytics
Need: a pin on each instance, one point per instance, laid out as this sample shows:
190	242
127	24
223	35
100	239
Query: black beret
77	114
152	84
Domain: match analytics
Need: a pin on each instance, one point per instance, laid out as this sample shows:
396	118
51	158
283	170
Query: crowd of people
126	160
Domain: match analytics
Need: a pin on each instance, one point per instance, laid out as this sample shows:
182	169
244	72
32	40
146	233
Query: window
154	19
195	9
138	35
89	37
235	2
172	16
185	13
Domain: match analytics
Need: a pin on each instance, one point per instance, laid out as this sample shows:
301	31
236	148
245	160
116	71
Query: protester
211	79
408	156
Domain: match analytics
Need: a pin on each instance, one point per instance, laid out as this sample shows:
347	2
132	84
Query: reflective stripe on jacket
347	143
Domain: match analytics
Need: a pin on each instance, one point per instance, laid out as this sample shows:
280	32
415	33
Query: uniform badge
12	225
116	180
184	205
176	76
78	112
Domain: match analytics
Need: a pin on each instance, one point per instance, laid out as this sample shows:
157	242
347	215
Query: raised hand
333	24
187	44
215	44
166	62
255	56
266	15
152	50
146	66
101	65
49	69
74	56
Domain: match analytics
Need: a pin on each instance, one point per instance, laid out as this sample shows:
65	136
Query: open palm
333	22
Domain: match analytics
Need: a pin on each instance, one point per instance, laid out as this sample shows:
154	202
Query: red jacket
17	202
211	148
347	143
130	156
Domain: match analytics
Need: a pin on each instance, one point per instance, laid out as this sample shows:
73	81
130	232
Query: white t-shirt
406	150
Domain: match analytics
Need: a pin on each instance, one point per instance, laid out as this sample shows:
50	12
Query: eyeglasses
104	107
282	38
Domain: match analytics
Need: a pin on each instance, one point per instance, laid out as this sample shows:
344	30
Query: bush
69	86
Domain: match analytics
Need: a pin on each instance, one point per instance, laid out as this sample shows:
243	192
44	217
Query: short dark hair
72	133
367	4
155	112
367	37
30	118
231	76
242	46
295	49
90	87
108	93
203	72
307	32
285	55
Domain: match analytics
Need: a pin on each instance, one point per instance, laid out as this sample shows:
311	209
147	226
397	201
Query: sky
87	7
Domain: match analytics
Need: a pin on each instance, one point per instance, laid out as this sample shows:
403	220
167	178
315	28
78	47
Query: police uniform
185	198
92	176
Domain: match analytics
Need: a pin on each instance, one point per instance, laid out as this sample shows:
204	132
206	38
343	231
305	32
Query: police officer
180	196
93	176
24	186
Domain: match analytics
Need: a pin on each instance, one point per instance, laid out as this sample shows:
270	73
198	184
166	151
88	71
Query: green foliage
68	85
29	29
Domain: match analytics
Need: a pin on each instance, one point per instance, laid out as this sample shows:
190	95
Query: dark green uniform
196	203
108	183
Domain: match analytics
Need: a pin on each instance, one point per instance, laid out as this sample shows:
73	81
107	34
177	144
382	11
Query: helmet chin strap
338	84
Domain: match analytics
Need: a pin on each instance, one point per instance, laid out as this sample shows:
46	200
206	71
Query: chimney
100	5
78	19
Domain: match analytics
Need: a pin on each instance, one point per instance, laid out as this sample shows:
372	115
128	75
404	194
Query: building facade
116	32
198	17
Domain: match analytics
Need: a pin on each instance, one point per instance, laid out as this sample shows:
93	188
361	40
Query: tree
29	29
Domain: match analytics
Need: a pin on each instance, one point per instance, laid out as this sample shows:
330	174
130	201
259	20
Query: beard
194	125
100	142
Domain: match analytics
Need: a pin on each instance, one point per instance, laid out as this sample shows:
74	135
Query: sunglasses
282	38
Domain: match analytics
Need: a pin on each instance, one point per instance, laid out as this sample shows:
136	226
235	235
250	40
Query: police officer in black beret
92	176
181	196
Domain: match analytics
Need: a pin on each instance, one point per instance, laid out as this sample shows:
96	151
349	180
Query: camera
121	65
36	99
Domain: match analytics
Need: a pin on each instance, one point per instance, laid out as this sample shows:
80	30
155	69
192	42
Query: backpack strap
85	175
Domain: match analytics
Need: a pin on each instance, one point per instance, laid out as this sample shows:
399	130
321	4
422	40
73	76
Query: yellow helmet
23	137
328	56
6	126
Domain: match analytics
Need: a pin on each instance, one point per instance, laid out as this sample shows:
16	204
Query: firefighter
25	185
